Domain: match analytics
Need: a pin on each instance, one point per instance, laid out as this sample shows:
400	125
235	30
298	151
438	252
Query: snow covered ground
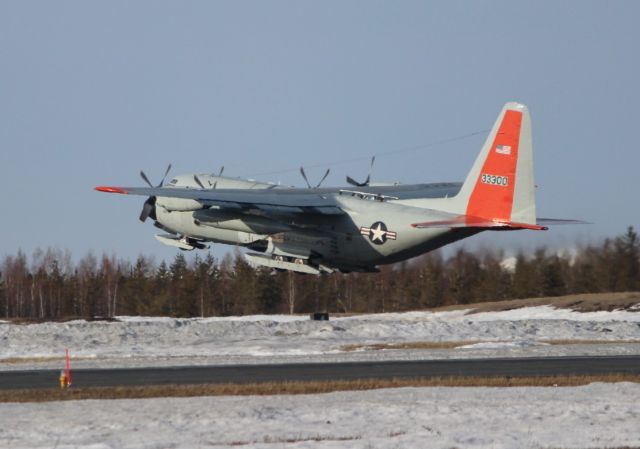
140	341
594	416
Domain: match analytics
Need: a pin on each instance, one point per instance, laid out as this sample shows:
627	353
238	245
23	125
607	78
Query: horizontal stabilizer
465	221
560	221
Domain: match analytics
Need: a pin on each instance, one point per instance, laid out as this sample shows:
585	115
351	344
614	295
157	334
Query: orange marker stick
68	370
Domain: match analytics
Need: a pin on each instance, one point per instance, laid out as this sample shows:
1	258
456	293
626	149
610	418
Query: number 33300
495	180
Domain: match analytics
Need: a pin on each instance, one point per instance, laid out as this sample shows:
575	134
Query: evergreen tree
525	278
137	288
184	300
553	277
244	288
466	275
160	302
49	285
585	272
433	280
627	255
269	290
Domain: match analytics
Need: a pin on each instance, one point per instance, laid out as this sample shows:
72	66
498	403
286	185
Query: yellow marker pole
63	380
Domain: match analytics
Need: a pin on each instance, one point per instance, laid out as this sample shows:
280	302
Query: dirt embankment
588	302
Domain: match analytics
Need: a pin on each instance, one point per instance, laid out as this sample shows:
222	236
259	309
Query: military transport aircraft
319	230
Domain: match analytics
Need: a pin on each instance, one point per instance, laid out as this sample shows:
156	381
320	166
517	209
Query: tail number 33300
502	181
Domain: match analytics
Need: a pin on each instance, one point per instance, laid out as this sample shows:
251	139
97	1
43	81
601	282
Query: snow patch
596	415
153	341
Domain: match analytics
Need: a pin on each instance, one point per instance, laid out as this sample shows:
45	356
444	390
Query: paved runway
514	367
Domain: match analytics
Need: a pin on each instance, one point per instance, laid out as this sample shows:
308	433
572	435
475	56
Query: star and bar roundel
378	233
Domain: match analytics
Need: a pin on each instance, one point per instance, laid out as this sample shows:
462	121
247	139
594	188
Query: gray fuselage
376	229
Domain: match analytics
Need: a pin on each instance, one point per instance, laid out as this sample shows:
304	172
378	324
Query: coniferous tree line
49	285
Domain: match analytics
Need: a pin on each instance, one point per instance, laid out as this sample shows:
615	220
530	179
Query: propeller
366	182
212	186
197	180
304	175
148	208
215	184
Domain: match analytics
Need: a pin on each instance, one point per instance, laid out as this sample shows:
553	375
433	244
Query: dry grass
22	360
588	302
407	345
18	360
585	302
277	388
457	344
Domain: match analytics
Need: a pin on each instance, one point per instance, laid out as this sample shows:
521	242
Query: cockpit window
173	182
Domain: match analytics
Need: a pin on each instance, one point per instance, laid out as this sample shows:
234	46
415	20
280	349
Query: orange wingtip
111	190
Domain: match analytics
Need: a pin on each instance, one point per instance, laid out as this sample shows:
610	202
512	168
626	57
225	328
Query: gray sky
92	92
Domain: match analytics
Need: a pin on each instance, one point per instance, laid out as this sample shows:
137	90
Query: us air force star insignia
378	233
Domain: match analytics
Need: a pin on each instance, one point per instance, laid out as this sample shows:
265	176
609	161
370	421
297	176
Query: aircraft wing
280	202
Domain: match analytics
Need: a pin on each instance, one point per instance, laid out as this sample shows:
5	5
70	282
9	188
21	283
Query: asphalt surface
513	367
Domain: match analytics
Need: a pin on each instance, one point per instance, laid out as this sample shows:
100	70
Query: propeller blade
145	178
353	182
324	177
165	175
366	182
304	175
147	208
197	180
373	160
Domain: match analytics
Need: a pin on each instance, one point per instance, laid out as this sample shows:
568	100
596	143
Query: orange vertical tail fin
500	185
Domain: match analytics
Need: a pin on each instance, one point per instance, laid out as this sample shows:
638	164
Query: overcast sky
92	92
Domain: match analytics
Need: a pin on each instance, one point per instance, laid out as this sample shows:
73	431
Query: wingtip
109	189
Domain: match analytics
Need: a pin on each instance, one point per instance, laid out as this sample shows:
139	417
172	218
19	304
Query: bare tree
291	298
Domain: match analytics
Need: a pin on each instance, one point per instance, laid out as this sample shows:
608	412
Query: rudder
500	185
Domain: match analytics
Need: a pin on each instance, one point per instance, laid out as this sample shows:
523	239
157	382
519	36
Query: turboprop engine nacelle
246	223
298	244
178	204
